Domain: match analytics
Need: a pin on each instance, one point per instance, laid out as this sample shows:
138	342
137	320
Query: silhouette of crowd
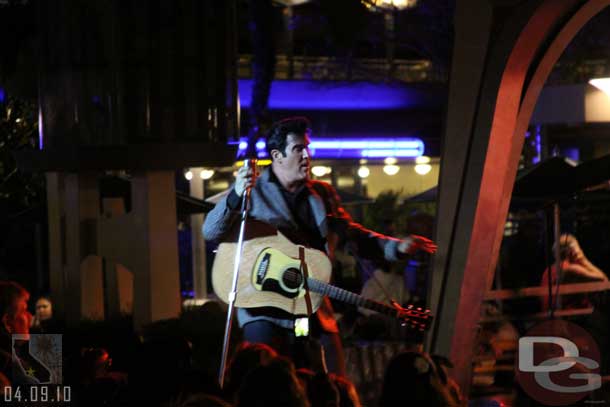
174	363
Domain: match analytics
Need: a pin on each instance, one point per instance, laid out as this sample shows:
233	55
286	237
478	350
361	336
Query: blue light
2	95
316	95
372	144
355	148
40	130
260	145
538	157
391	153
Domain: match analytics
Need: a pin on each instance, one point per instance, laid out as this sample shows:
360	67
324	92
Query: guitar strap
305	277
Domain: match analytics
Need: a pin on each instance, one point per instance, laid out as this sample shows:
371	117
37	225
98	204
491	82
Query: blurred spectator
320	389
248	357
14	309
414	378
15	320
99	385
273	385
44	321
44	310
574	268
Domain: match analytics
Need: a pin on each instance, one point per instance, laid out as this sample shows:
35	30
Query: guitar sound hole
292	278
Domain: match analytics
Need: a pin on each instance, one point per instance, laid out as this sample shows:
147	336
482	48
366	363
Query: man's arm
584	271
369	244
580	265
221	219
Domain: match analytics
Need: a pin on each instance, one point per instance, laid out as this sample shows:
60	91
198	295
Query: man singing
305	210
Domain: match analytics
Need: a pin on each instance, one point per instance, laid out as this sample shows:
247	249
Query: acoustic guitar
271	275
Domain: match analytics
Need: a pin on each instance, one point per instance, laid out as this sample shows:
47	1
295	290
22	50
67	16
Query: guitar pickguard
278	273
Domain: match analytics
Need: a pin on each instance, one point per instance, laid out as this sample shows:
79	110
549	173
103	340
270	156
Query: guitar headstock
414	317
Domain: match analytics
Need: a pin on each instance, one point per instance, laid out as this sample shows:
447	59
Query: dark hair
248	357
45	297
415	374
272	385
276	137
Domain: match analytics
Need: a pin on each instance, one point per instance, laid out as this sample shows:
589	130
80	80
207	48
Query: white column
198	243
155	268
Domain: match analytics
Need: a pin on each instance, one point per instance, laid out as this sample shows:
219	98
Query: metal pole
233	293
557	235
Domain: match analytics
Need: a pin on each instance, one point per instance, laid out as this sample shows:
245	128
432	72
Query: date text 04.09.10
41	393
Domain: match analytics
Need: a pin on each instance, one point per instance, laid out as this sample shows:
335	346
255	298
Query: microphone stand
245	208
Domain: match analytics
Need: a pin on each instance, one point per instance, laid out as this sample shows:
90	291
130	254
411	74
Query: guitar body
269	270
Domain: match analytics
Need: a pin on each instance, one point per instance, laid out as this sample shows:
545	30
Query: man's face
18	319
294	167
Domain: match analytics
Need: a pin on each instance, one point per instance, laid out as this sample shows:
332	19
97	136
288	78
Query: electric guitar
270	274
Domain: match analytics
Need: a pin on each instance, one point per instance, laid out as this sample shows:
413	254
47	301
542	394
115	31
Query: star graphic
30	372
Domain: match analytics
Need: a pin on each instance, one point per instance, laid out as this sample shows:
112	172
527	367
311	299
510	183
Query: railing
329	68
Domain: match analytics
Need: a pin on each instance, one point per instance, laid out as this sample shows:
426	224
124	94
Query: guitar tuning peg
419	309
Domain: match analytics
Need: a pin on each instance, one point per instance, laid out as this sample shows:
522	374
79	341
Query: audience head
416	376
273	385
569	248
14	308
320	389
248	357
44	309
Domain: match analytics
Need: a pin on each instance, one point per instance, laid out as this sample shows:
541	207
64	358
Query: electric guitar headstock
413	317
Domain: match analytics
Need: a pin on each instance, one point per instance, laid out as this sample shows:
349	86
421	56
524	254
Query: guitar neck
349	297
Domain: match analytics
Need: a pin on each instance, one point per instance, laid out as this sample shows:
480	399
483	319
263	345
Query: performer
308	212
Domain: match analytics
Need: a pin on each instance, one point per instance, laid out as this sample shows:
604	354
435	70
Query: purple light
391	153
372	144
573	153
538	141
355	148
2	95
40	131
316	95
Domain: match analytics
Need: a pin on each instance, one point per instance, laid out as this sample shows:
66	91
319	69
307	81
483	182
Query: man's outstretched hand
414	243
